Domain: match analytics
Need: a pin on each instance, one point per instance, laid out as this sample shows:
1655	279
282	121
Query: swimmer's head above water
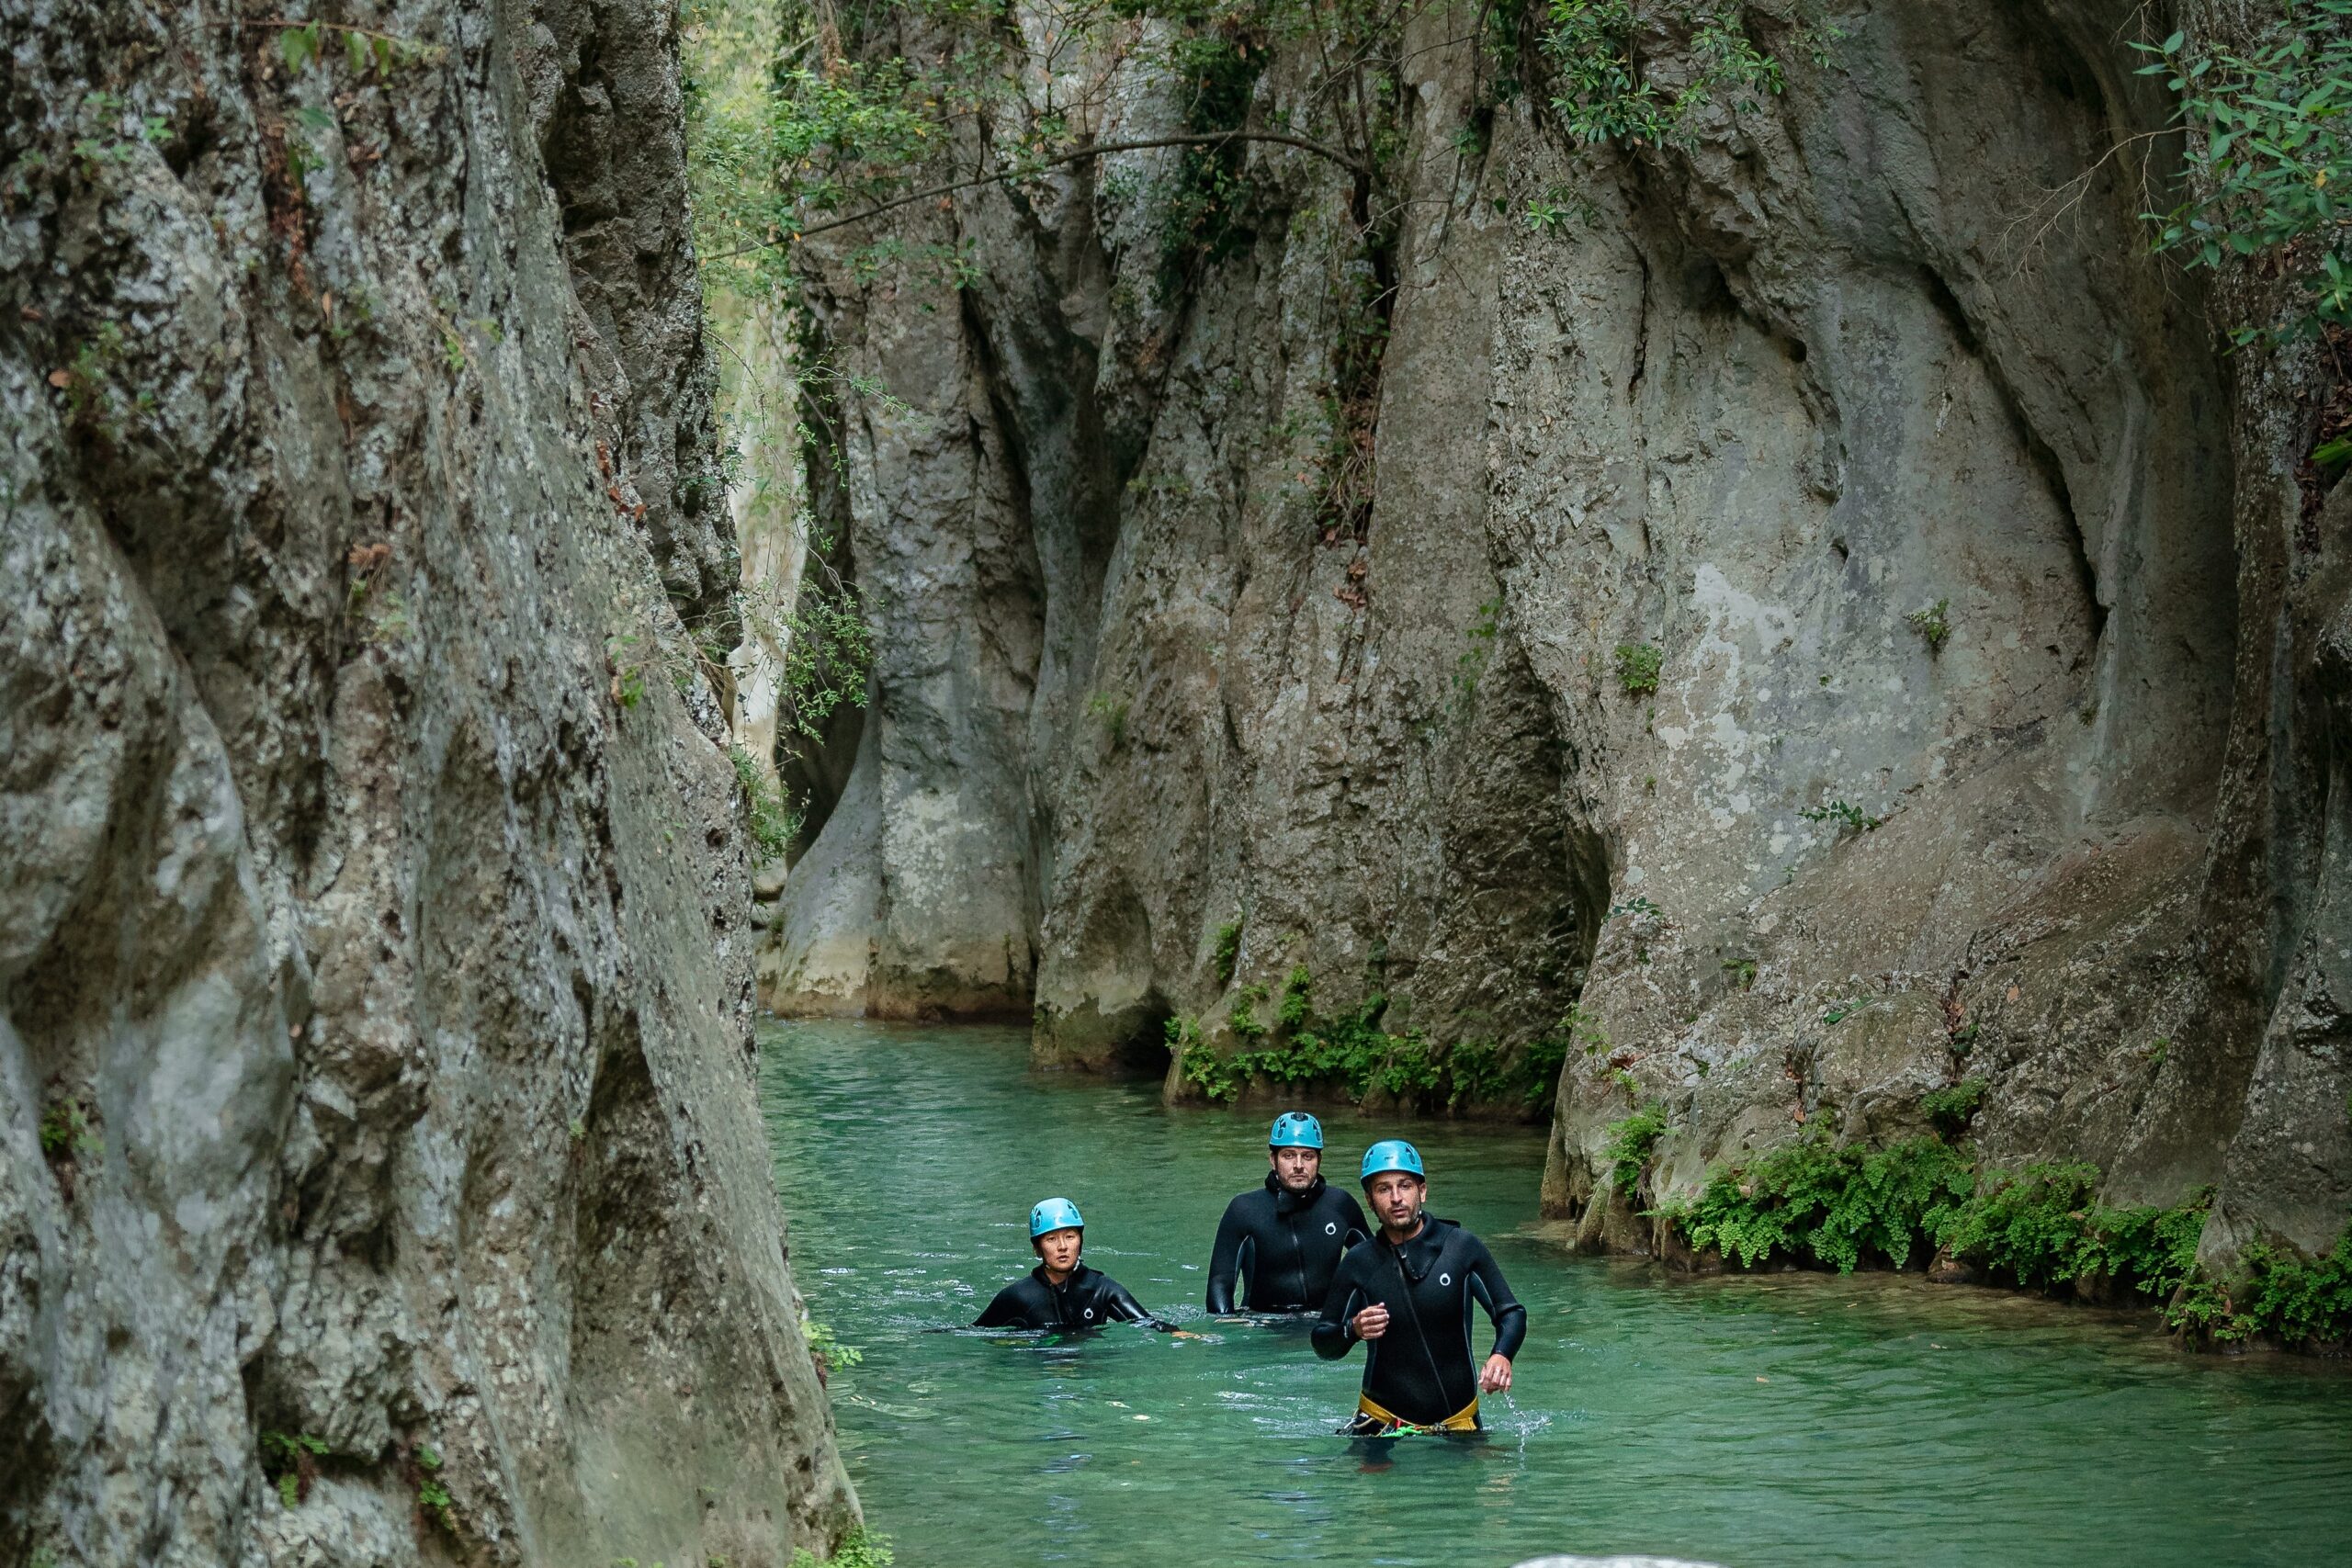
1295	1148
1395	1185
1057	1230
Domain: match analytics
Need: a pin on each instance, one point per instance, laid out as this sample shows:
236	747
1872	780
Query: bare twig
1211	138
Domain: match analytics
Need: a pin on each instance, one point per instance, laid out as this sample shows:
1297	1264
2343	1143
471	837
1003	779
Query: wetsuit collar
1417	1253
1289	1202
1039	1274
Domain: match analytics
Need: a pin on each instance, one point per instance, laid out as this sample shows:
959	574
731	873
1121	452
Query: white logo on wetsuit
1087	1313
1445	1278
1330	1227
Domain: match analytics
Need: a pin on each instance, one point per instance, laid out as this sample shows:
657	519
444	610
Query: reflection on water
1746	1421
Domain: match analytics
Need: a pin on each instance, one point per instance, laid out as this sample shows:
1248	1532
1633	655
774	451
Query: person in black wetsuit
1406	1294
1285	1240
1062	1292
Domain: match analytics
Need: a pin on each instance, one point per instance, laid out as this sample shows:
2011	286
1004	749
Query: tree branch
1209	138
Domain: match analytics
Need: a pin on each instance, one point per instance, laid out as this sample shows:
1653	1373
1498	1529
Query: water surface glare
1798	1419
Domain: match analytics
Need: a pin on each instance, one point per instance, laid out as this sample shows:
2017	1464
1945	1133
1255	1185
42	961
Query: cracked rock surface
1993	731
381	1180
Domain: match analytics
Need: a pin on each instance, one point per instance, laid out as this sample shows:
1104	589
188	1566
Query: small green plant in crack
1470	667
1110	711
1933	623
65	1130
1838	1013
1297	999
1950	1109
1242	1017
1638	665
768	816
291	1461
1849	818
1742	972
389	625
1631	1143
432	1492
1224	953
826	1348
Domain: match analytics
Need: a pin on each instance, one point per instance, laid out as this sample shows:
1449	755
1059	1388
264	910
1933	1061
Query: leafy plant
1933	623
1850	818
291	1461
1603	91
1838	1011
2267	158
364	50
1638	666
432	1494
2272	1294
824	1344
859	1548
1111	712
1226	951
1470	667
65	1129
1638	907
1829	1206
1297	999
1742	972
1631	1140
1952	1108
1354	1054
768	816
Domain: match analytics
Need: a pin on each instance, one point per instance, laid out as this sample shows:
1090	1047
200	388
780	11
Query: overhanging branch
1097	150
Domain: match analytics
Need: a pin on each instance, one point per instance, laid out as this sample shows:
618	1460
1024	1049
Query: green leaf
2333	454
299	46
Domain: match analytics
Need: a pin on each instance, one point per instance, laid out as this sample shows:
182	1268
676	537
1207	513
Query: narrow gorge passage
1761	1420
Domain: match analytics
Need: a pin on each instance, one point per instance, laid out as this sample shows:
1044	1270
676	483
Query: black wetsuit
1088	1298
1421	1369
1287	1245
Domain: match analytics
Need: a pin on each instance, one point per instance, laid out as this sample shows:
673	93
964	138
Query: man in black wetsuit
1285	1240
1062	1292
1406	1294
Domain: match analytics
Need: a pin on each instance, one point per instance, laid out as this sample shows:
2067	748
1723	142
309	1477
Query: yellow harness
1463	1420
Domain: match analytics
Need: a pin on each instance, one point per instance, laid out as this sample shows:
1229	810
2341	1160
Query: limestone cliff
1308	580
381	1181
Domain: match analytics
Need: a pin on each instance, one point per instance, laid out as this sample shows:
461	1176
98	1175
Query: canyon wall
380	1175
1304	579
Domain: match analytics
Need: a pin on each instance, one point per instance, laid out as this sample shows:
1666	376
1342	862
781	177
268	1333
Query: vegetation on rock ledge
2043	1228
1353	1055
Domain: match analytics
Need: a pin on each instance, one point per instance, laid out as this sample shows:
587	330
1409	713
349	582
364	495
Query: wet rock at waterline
1817	603
379	1175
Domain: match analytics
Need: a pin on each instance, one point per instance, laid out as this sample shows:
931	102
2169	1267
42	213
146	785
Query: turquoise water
1746	1421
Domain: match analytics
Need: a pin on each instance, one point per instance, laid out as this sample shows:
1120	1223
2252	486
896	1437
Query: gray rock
1865	362
374	962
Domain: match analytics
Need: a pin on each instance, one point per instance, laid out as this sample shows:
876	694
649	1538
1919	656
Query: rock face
380	1179
1991	730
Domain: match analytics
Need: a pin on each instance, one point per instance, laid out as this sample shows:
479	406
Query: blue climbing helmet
1392	1154
1054	1214
1295	1130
